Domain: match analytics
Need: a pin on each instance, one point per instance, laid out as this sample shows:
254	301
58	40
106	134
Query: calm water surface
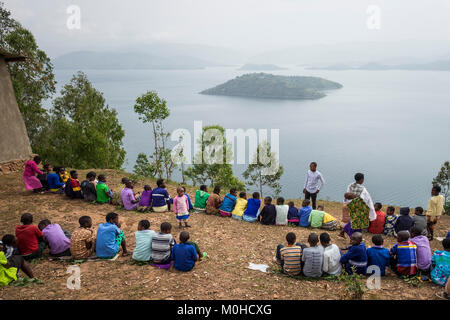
391	125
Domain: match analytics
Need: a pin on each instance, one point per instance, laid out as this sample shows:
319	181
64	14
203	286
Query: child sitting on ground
104	195
440	264
181	208
144	236
54	182
282	212
57	240
29	238
43	176
82	241
268	213
293	217
423	252
403	255
377	226
116	198
304	213
315	218
214	202
145	202
13	256
239	208
183	254
63	174
73	186
228	204
313	257
251	213
160	197
378	255
389	224
129	200
331	255
420	220
8	273
404	221
356	255
88	187
201	196
329	222
162	243
110	238
289	257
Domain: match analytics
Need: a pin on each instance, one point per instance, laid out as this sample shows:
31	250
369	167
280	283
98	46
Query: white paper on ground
258	267
439	238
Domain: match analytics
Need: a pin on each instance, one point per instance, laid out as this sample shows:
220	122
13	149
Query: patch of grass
354	287
25	282
412	281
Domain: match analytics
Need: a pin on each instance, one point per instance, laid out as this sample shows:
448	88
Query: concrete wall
14	142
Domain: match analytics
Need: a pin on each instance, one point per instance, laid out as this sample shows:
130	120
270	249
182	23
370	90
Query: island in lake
269	86
260	67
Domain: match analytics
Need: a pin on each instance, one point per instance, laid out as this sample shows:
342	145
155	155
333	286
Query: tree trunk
183	178
157	161
260	184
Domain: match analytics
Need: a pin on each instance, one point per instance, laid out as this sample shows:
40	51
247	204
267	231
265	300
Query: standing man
312	188
435	209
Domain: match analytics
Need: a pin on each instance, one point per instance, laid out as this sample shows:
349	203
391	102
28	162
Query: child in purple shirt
423	251
57	240
127	195
145	202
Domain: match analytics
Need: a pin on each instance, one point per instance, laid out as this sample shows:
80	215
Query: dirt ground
230	245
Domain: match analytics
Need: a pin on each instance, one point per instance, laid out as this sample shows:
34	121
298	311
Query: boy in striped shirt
289	257
162	244
403	255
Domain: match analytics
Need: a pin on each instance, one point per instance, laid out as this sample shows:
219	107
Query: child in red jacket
377	226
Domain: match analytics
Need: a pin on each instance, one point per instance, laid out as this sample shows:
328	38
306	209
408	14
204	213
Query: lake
391	125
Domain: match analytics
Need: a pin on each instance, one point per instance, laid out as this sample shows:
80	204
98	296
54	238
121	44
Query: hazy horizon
256	31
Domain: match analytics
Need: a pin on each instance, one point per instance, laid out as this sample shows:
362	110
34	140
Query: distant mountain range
268	86
127	60
443	65
260	67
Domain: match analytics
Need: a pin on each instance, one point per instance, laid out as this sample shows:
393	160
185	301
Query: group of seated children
241	208
157	248
409	256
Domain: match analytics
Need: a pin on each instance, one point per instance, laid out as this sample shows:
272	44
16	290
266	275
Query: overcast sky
250	26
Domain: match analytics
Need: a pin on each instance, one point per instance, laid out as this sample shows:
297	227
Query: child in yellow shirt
241	205
329	222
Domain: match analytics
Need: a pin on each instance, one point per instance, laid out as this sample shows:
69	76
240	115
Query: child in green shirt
104	195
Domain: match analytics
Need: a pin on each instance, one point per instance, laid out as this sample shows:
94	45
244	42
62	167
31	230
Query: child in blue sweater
293	217
304	213
356	255
229	201
378	255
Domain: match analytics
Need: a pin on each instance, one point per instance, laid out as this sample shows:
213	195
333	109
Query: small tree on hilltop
152	109
443	180
266	173
143	167
216	169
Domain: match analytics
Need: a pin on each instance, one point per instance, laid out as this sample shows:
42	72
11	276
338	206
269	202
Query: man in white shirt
312	188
